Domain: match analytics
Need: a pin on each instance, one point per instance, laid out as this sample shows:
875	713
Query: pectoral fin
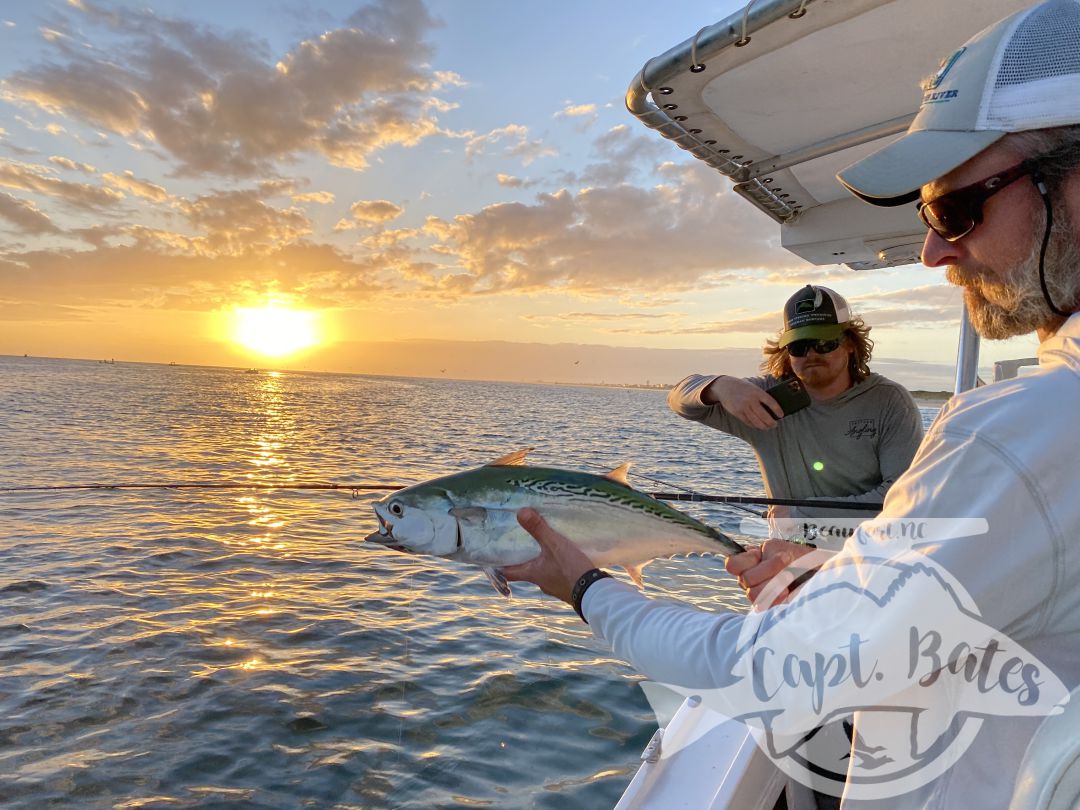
469	514
497	580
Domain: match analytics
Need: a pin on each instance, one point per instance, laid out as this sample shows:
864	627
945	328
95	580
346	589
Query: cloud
146	275
530	151
583	114
140	188
515	141
511	181
24	215
23	311
74	166
239	223
576	111
370	212
39	179
220	103
320	197
689	232
622	157
932	306
599	317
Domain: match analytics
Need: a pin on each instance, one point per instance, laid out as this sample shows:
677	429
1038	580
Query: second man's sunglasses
800	348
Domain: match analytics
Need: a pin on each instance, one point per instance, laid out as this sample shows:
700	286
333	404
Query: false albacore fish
471	517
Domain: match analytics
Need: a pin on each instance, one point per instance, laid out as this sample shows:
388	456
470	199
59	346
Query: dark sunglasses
954	215
801	348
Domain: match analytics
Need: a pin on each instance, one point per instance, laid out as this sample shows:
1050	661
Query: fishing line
356	489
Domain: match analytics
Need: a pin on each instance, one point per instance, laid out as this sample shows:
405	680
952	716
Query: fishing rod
737	499
356	489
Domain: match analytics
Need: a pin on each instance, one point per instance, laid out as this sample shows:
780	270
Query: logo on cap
943	70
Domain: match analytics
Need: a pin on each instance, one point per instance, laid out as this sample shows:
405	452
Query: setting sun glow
274	330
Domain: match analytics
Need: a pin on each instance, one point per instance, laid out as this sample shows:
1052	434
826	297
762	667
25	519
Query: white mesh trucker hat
815	312
1020	73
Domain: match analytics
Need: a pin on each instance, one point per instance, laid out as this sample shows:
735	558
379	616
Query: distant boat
252	371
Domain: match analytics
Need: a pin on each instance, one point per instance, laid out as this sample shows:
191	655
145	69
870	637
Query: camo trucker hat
814	312
1021	73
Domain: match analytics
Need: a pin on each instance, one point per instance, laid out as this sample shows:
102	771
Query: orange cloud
218	105
370	212
39	179
25	216
140	188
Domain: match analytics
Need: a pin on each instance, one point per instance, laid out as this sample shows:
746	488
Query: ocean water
244	648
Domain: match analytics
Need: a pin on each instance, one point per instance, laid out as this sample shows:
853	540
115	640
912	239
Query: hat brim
817	331
894	174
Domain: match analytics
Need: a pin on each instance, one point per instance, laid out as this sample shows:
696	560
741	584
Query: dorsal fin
619	473
515	459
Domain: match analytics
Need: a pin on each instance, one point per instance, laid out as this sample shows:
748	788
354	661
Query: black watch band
582	585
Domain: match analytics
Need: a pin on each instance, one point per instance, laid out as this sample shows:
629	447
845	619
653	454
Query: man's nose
937	252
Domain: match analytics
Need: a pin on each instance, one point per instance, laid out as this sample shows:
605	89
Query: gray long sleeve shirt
849	448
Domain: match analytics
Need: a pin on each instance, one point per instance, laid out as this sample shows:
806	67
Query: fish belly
609	535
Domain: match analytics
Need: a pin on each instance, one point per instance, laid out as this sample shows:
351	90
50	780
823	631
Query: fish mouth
386	541
384	536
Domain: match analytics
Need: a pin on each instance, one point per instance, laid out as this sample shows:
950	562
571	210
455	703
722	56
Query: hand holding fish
559	564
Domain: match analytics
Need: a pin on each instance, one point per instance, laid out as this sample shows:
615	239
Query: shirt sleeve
685	400
879	613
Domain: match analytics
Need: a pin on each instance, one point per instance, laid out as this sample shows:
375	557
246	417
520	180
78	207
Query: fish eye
396	509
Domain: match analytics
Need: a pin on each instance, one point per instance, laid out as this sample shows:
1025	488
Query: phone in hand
790	394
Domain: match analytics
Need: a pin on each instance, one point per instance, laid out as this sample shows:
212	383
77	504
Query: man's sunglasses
954	215
801	348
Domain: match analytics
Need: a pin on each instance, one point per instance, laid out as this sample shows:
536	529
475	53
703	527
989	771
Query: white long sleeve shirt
1008	453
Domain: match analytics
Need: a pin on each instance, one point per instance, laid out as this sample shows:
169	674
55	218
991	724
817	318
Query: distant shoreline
917	394
932	397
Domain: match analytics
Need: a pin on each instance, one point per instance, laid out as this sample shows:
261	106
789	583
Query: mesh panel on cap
1038	78
1035	51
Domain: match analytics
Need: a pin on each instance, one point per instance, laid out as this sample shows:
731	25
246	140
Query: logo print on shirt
858	428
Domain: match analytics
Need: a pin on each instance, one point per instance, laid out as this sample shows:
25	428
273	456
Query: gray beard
1014	306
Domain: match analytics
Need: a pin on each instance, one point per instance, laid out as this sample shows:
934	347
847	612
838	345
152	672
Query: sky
445	188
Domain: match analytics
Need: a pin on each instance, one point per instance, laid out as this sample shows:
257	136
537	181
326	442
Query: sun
274	330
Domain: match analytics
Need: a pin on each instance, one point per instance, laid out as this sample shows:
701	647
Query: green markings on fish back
555	483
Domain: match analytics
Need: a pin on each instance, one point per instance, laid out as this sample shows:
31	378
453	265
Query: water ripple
197	649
